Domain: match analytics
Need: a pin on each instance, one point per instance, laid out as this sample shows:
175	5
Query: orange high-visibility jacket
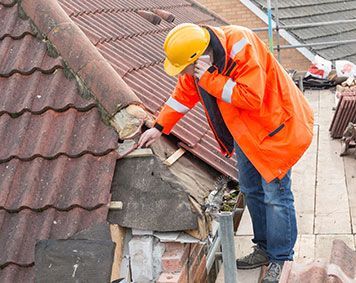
248	97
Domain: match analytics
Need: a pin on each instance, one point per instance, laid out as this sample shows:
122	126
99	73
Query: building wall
183	263
237	13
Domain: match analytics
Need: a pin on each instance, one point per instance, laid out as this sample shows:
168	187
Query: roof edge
291	39
80	55
206	10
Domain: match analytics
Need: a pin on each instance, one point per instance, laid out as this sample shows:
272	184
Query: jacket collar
218	43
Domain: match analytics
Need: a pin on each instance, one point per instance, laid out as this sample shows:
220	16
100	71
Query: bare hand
200	68
149	137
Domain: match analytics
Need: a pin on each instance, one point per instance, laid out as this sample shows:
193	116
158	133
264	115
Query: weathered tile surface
55	162
133	46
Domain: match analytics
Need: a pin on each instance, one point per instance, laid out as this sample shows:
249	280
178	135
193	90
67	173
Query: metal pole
309	25
210	259
226	232
270	34
277	30
301	85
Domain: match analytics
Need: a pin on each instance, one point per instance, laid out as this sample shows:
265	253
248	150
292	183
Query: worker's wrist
204	79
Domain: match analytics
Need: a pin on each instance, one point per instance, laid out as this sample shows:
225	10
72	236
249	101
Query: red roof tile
7	3
57	156
207	150
133	46
39	92
20	231
62	183
341	268
25	56
13	26
344	114
14	273
83	59
71	133
344	257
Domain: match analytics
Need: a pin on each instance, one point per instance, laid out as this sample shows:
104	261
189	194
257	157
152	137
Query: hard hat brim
172	70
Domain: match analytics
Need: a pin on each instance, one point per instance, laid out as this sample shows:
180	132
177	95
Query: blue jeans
271	206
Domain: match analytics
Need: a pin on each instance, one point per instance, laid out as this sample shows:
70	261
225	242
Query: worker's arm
183	99
246	89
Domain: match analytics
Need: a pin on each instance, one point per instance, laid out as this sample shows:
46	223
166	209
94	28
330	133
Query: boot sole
247	267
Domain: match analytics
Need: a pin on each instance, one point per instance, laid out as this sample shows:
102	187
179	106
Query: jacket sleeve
183	98
247	88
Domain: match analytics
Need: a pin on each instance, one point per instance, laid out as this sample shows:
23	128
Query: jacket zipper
221	144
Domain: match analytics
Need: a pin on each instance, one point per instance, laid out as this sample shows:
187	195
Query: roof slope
133	46
310	11
56	156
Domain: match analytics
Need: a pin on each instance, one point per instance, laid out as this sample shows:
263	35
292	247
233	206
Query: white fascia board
286	35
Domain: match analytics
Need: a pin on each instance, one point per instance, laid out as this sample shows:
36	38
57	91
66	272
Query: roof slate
133	46
57	157
311	11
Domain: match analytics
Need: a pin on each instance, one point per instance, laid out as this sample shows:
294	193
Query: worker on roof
254	108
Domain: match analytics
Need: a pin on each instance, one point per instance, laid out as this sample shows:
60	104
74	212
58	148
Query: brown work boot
255	259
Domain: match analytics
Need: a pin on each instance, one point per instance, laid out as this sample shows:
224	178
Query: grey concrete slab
245	227
303	186
305	249
332	208
350	174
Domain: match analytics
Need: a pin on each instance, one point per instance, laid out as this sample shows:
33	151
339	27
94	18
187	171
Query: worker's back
268	115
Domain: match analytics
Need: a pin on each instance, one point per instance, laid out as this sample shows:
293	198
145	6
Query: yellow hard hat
183	46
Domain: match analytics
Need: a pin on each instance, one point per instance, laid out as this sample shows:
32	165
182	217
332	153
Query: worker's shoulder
236	29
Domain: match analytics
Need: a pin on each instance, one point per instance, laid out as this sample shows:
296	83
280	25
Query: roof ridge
80	54
216	16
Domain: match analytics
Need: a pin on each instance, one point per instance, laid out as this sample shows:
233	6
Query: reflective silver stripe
177	106
227	91
238	47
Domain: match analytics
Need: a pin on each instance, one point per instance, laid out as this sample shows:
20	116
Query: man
252	106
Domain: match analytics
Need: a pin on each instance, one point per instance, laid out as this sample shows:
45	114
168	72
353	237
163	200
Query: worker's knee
278	192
